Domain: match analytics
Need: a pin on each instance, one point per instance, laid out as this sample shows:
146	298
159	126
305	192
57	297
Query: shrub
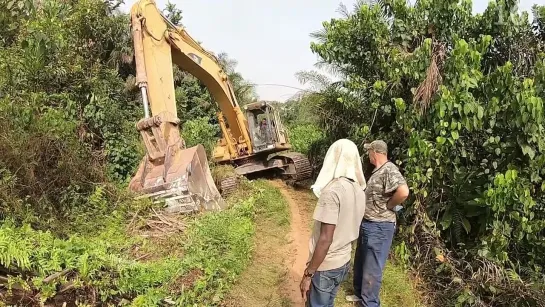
200	131
303	136
216	248
459	99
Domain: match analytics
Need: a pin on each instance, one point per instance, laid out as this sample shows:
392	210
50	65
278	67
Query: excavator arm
180	175
158	45
170	172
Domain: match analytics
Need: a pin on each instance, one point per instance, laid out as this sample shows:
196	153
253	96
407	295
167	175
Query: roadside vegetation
459	99
263	282
398	289
144	260
70	231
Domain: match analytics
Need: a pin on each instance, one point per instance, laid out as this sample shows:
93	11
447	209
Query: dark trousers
371	253
325	285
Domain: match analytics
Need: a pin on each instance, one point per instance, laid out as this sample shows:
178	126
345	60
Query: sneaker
353	298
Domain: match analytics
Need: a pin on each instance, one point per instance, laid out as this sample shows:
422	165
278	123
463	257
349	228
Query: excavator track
227	185
299	169
303	168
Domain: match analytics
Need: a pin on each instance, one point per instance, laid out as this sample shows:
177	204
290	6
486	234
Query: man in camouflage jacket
386	190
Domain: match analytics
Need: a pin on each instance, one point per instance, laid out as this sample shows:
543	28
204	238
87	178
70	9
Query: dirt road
299	204
281	253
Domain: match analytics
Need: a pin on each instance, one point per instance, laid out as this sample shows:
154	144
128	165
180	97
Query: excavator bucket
181	180
169	173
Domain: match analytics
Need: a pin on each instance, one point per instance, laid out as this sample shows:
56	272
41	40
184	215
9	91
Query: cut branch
52	277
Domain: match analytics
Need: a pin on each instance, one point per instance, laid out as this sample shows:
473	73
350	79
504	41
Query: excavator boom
170	172
164	44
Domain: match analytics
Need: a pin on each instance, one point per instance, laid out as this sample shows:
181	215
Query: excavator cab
266	130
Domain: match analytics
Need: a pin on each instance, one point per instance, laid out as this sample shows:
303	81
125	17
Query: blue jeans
325	285
371	253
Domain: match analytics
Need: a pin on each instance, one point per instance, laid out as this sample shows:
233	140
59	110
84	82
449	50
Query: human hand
304	286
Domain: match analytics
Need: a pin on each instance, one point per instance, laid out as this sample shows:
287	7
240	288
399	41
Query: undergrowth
41	267
397	289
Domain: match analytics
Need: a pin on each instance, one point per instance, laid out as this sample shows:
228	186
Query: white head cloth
341	160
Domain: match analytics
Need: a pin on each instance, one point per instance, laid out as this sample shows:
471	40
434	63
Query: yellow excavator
252	141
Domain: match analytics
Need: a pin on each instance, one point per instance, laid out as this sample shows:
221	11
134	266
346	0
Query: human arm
400	195
322	247
320	252
326	212
395	183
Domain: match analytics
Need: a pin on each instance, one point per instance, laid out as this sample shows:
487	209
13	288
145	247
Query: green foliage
222	171
46	169
515	224
472	150
173	14
192	99
300	115
67	115
300	109
398	288
303	136
274	206
244	90
200	131
217	246
72	59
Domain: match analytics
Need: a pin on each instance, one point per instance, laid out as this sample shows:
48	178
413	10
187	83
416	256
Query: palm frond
319	35
338	84
385	7
332	69
316	79
457	224
228	64
343	10
360	3
427	89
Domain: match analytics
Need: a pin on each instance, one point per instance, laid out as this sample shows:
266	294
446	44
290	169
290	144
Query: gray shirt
341	203
380	187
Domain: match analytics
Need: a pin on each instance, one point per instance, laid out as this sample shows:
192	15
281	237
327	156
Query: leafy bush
200	131
43	162
71	60
459	99
303	136
192	99
216	248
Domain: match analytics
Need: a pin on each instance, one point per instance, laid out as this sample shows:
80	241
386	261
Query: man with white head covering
340	188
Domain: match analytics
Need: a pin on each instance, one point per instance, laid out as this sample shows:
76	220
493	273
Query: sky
270	40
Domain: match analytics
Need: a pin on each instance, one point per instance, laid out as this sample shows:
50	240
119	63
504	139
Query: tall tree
244	90
173	14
